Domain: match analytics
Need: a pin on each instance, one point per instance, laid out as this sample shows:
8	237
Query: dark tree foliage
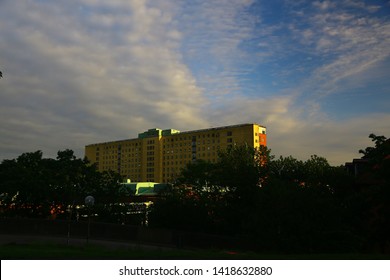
32	186
282	205
197	173
9	185
182	209
278	205
381	149
215	197
374	199
24	182
288	169
242	169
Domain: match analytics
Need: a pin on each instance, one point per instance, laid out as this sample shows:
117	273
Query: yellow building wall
160	158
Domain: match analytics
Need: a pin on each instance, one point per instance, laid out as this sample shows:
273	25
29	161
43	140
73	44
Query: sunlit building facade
159	155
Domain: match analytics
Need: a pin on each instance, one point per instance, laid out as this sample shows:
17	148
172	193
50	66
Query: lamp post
89	201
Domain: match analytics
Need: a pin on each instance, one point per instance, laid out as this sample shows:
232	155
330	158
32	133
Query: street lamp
89	201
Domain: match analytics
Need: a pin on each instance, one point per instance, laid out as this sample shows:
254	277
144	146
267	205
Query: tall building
159	155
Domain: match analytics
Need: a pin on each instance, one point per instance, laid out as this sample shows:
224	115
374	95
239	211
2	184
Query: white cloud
213	32
105	73
344	42
323	5
361	5
291	132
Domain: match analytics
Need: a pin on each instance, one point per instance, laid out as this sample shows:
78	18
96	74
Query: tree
183	209
381	149
104	186
378	158
25	183
215	197
197	173
283	205
376	199
242	169
316	171
9	183
70	175
288	168
32	184
239	174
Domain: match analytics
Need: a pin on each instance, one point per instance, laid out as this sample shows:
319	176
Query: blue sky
315	73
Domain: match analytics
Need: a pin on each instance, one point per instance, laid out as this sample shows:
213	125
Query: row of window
167	160
203	142
111	149
114	152
169	155
172	139
117	146
193	137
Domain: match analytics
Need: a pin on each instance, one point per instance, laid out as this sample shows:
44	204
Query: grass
59	252
55	251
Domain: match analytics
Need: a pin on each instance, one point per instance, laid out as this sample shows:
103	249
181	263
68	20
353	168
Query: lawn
55	251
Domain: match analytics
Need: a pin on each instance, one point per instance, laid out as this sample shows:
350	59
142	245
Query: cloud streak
110	67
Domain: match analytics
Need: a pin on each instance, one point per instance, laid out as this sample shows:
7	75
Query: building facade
159	155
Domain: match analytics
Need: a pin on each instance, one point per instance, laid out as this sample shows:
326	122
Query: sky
77	72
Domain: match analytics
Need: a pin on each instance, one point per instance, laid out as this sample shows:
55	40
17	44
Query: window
229	133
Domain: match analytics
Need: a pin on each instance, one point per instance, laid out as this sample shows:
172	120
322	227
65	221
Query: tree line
33	186
284	204
278	204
